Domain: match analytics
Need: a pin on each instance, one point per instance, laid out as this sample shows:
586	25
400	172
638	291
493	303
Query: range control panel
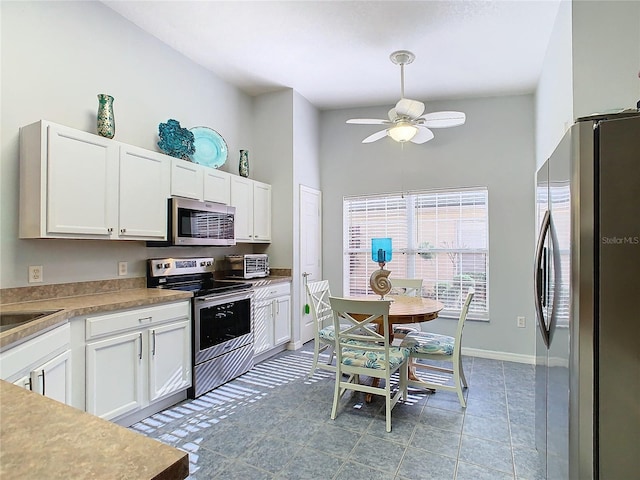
161	267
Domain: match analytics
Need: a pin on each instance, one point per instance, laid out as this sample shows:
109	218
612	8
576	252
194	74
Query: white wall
554	95
606	56
495	148
273	159
56	57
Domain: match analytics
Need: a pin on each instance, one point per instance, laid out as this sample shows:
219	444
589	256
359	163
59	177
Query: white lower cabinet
271	316
114	375
136	357
42	364
169	359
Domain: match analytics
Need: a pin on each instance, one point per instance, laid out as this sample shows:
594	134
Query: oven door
221	323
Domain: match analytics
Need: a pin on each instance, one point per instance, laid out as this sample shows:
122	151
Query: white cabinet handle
109	230
123	230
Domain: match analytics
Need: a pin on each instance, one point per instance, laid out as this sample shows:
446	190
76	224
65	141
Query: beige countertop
43	438
75	306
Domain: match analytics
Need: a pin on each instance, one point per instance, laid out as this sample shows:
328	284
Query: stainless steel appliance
251	265
192	223
221	315
586	282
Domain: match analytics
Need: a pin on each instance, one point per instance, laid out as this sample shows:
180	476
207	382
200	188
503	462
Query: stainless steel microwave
193	223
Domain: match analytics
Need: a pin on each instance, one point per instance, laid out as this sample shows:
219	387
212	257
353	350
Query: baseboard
130	419
294	345
504	356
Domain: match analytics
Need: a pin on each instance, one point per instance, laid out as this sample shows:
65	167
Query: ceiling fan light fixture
403	132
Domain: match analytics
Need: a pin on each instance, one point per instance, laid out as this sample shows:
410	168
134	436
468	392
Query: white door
310	252
114	375
53	379
169	359
144	189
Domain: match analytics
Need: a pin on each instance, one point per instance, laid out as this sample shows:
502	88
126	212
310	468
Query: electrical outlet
521	323
35	273
123	268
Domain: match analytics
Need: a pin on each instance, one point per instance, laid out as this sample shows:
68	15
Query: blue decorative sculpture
176	141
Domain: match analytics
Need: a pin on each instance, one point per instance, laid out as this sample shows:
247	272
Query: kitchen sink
9	320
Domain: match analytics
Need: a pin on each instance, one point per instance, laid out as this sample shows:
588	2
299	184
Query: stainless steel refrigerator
587	293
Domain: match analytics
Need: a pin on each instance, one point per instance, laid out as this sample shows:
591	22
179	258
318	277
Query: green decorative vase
243	165
106	122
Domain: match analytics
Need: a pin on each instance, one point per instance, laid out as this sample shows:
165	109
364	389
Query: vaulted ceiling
336	53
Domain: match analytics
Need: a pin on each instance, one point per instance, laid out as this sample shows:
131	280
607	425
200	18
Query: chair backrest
320	308
360	316
463	318
411	287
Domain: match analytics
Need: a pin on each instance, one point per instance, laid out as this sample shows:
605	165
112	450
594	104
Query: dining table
405	309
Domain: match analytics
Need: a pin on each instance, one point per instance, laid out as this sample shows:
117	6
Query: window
439	236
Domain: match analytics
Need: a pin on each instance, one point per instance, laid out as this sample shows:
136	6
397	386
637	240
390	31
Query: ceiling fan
406	120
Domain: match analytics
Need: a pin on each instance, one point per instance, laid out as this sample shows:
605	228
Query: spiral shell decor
380	282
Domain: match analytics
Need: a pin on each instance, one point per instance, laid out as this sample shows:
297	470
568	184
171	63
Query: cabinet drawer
272	291
139	318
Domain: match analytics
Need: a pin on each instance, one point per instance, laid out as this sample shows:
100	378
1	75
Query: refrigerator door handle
540	283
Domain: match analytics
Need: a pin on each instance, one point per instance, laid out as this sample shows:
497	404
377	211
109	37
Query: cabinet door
169	359
114	375
242	199
82	183
24	382
261	212
186	179
144	189
53	379
262	327
217	186
282	320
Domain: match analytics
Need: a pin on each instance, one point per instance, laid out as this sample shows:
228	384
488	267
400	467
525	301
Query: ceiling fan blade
443	119
369	121
375	136
423	135
410	108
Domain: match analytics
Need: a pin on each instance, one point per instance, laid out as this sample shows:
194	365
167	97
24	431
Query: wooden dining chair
363	351
431	346
324	338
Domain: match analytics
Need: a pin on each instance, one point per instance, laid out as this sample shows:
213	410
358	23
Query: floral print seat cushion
375	360
429	343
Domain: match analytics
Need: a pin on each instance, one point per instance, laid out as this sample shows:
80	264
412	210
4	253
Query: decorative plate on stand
211	149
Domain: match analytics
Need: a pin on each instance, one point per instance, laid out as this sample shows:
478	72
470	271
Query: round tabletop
405	309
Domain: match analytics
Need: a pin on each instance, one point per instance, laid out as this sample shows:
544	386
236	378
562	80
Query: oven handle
226	297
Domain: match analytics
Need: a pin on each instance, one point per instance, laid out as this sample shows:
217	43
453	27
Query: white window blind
439	236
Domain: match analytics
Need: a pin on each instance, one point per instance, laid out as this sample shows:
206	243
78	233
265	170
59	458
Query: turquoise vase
106	122
243	165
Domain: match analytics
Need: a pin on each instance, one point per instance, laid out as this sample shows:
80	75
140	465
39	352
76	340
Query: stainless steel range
221	318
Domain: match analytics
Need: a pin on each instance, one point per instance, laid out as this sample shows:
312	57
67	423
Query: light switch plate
123	268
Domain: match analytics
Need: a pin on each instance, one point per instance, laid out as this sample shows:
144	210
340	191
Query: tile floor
273	423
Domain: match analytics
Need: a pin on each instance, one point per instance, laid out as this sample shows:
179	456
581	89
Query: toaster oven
251	265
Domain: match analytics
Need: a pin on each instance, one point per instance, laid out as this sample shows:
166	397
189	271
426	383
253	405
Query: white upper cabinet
191	180
74	184
144	189
253	210
187	179
217	186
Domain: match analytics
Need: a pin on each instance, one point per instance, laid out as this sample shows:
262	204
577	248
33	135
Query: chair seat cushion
375	360
429	343
403	330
